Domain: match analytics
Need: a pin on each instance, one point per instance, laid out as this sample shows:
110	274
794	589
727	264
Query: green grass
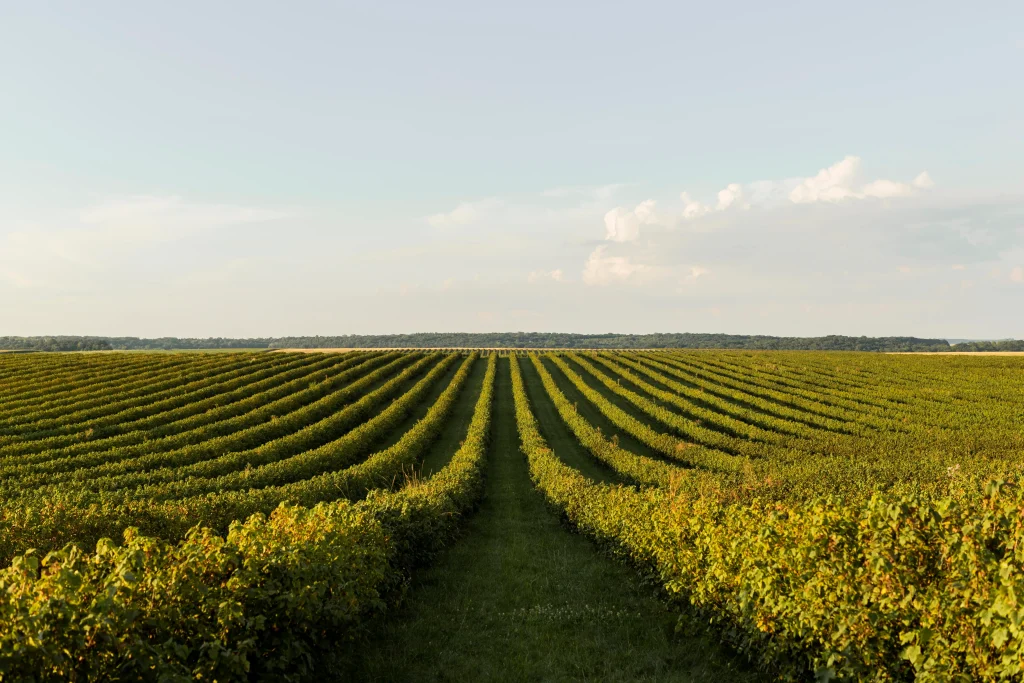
420	410
457	424
521	598
592	414
557	433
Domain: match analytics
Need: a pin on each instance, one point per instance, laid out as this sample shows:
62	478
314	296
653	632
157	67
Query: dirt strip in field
460	348
957	353
517	348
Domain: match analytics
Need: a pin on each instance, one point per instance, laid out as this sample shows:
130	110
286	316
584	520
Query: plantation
594	515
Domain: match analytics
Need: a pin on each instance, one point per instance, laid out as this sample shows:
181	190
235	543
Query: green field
425	516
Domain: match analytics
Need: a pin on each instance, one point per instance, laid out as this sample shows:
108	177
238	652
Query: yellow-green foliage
844	516
895	588
258	603
265	602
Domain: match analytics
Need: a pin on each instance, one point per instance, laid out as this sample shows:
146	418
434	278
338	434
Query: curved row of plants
271	600
686	452
205	395
281	419
638	468
27	413
45	379
898	588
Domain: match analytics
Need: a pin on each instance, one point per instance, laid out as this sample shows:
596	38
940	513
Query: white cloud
831	184
693	208
958	266
883	189
842	181
601	269
923	181
540	275
697	271
463	214
839	182
622	225
730	196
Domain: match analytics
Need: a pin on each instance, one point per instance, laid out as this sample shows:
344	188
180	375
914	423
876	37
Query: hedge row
113	428
638	468
899	588
291	418
272	600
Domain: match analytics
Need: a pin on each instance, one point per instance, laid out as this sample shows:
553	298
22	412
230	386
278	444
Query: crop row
896	588
266	387
230	432
23	412
308	427
275	596
332	444
686	452
37	380
638	468
187	399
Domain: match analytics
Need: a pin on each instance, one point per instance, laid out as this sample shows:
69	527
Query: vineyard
282	516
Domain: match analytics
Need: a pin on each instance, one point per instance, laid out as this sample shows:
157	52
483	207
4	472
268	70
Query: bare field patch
956	353
457	348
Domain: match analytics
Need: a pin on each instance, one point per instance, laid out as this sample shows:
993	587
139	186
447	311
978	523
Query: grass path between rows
454	432
521	598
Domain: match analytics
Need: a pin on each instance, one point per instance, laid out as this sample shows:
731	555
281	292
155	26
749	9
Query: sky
273	169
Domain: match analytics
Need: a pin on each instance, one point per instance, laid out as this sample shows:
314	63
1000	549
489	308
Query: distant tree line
63	343
554	340
177	343
539	340
1004	345
54	344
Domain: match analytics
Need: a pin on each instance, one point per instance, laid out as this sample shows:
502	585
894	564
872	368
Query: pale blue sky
268	168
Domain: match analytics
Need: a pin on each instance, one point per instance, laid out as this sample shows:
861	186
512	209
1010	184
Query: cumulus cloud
839	182
693	208
622	225
843	180
602	269
463	214
732	195
541	275
830	184
883	189
923	181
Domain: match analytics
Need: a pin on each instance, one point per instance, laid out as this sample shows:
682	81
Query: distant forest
126	344
542	340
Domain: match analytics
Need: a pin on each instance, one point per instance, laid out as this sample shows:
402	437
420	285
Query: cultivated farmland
498	515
